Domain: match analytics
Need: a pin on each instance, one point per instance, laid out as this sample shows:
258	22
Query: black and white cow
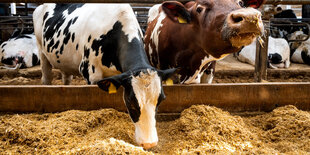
278	53
284	28
104	43
20	51
268	11
300	51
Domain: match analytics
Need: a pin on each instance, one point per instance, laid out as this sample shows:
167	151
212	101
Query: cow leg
287	63
66	78
272	66
207	78
16	68
46	69
208	75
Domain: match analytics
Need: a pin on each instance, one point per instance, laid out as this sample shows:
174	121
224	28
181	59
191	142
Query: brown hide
212	29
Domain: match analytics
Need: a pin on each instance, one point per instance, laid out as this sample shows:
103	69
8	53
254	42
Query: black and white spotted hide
278	53
300	51
20	51
103	42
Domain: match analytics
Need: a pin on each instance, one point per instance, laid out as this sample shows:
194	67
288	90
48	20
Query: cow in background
278	53
268	11
193	35
285	30
300	51
103	42
20	51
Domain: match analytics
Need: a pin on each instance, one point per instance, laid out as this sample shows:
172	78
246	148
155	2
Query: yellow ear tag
182	20
169	82
112	89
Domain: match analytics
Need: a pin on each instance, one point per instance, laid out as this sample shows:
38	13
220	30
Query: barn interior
19	16
236	119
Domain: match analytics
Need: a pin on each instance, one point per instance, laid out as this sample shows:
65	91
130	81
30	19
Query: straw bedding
199	130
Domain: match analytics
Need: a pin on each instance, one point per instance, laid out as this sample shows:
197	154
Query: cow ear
176	12
253	3
111	84
16	33
165	74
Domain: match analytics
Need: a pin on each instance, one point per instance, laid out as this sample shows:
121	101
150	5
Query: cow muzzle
145	128
146	135
243	26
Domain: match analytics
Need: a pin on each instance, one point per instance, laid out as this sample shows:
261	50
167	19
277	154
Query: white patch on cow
153	13
93	20
130	24
101	72
21	47
248	54
150	52
304	46
275	45
296	57
147	88
65	13
210	77
155	35
268	11
145	128
70	58
281	47
195	79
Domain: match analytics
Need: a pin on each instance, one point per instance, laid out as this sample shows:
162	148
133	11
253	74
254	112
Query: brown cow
198	33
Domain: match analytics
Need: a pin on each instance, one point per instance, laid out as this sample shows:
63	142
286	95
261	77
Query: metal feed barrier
292	24
13	22
231	97
258	97
9	23
260	73
275	2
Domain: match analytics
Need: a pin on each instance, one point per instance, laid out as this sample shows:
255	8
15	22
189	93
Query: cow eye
199	9
241	3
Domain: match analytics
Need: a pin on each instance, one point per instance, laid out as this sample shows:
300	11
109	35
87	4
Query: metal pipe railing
87	1
275	2
290	2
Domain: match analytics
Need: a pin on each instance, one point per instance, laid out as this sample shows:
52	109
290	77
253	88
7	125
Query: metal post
26	9
13	9
260	73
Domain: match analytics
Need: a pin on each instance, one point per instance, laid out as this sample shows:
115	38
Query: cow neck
133	56
183	38
120	50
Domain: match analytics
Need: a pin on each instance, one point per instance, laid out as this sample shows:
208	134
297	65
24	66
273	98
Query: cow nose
247	20
237	18
148	145
244	16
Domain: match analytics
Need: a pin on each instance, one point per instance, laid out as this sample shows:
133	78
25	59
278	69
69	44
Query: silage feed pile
199	130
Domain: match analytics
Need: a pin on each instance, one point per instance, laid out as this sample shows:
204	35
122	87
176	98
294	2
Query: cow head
9	56
143	93
275	61
221	26
269	11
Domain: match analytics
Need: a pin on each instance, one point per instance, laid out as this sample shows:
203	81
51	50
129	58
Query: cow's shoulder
154	12
63	8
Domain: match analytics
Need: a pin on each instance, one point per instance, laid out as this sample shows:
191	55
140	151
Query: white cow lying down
278	53
19	52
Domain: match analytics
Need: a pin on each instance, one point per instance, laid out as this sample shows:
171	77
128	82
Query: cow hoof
147	146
